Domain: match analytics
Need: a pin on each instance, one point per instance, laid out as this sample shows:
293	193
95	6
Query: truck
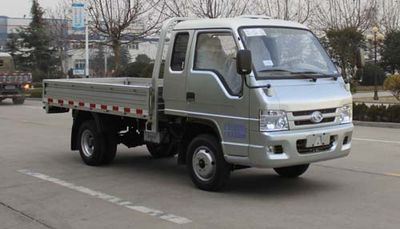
233	93
13	84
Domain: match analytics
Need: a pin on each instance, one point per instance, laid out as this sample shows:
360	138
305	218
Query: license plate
316	140
9	87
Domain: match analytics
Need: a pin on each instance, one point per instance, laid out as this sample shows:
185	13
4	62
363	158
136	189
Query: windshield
286	52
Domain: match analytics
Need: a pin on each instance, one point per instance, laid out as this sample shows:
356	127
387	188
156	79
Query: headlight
346	114
27	86
271	120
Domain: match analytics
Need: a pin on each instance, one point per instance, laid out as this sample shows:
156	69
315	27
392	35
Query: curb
378	124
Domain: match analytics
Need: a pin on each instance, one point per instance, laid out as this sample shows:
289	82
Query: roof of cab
235	23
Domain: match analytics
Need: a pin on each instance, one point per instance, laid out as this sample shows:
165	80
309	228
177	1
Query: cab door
175	72
215	91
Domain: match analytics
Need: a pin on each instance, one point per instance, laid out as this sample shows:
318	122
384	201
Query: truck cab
293	108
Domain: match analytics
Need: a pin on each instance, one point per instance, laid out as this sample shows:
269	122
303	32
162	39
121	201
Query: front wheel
18	101
206	164
292	171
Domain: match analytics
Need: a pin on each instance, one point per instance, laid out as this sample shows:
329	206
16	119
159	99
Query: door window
179	52
216	52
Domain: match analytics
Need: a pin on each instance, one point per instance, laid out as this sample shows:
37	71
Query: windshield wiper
276	70
313	75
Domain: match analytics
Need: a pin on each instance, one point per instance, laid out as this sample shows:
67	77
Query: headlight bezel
346	114
273	120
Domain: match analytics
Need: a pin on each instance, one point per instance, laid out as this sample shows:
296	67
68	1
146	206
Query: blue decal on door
235	131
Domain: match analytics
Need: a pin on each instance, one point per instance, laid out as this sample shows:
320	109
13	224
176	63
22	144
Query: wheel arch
80	117
196	127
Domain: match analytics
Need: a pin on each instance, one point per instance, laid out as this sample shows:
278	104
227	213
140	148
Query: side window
216	52
179	52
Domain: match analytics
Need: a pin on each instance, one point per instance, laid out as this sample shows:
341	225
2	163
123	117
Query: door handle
190	96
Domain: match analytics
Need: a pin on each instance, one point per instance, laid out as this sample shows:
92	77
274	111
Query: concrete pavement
371	94
360	191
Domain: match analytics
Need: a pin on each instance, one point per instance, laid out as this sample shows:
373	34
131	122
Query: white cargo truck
234	93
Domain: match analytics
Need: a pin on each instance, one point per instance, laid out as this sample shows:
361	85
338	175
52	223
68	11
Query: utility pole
87	69
106	61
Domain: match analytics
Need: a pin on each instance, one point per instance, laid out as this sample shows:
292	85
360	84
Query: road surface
44	185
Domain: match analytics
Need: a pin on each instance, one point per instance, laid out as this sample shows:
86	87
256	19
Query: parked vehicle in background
236	93
13	84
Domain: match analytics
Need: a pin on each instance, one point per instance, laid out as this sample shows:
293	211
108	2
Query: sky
19	8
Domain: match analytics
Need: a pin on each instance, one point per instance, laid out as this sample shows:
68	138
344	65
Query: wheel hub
87	143
204	164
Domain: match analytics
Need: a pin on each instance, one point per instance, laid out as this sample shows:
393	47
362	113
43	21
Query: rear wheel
95	149
206	164
161	150
19	100
292	171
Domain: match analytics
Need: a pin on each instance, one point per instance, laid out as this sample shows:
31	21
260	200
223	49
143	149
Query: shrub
368	75
392	83
360	111
393	113
376	113
36	93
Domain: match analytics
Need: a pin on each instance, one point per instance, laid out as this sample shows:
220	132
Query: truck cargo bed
120	96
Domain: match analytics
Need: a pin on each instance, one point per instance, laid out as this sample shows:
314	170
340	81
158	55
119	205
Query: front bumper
288	142
13	93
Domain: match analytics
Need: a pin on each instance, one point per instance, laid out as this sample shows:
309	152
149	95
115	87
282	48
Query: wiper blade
312	75
308	72
276	70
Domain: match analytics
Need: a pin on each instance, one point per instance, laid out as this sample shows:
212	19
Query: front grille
302	149
323	111
309	122
8	93
303	118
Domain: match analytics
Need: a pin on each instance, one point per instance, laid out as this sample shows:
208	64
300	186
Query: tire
206	164
161	150
94	148
111	146
292	171
19	100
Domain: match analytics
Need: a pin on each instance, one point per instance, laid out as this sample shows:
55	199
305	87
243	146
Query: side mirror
243	62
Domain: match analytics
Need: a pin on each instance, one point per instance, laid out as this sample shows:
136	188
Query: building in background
73	45
3	33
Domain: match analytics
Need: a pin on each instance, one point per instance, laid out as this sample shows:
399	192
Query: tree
32	49
97	62
295	10
123	21
58	32
389	15
14	44
392	83
342	14
368	75
142	67
345	44
143	58
204	8
391	50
